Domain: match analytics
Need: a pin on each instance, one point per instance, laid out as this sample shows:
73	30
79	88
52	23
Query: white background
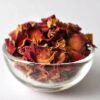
86	13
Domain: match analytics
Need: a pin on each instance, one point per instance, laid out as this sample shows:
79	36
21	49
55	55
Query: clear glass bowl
24	72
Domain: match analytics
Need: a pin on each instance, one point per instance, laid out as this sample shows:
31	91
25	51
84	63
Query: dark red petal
76	55
22	37
13	35
27	53
44	27
10	46
28	25
73	28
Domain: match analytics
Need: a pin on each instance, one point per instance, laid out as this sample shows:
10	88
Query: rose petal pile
49	41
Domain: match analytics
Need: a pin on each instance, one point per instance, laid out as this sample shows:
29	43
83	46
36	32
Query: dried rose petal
76	42
54	74
44	20
21	40
28	53
52	22
51	33
61	57
73	28
75	55
10	46
44	28
28	25
61	44
89	39
44	55
13	35
36	36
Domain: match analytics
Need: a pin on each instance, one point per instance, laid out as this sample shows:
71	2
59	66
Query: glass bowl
29	73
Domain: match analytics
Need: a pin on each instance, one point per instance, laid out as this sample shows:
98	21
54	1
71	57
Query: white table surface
86	13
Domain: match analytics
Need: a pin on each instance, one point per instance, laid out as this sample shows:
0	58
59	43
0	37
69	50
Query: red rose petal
10	46
28	53
13	35
21	39
75	55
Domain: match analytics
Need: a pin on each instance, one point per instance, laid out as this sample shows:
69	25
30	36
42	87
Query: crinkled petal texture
44	55
50	41
36	36
10	46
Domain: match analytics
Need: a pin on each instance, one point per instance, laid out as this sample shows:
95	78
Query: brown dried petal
36	36
51	33
89	37
61	44
61	57
52	22
76	42
44	55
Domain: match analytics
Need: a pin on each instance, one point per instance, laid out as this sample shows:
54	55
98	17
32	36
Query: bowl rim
13	58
